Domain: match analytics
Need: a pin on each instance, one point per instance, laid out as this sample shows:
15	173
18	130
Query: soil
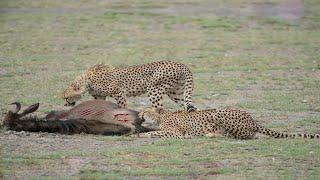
15	144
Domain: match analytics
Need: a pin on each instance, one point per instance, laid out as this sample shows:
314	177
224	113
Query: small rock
304	101
7	133
21	133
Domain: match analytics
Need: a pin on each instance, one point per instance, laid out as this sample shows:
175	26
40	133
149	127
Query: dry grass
260	56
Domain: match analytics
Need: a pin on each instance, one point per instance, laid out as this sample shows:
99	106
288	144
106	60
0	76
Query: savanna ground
259	56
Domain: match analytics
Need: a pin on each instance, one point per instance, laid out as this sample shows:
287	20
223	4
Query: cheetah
156	78
212	122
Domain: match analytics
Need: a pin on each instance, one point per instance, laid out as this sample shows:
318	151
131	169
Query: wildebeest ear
30	109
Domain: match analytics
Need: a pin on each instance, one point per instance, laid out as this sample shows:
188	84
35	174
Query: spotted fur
235	123
155	79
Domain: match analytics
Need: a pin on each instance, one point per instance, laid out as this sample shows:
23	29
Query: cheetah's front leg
121	100
99	97
161	134
155	96
153	134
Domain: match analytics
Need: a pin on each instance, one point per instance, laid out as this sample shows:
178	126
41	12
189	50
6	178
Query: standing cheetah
155	79
235	123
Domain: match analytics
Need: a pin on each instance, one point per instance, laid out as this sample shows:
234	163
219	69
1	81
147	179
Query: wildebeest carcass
92	117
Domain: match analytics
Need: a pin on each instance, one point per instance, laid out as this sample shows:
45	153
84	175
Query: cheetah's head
151	114
73	92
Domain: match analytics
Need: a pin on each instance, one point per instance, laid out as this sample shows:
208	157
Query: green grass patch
205	156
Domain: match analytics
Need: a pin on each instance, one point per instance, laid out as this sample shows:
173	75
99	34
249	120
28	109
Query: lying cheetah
156	79
235	123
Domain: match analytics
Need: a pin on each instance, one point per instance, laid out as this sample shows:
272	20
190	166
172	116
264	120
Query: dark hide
65	122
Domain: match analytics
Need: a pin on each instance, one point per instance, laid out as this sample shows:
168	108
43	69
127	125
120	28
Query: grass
199	157
244	54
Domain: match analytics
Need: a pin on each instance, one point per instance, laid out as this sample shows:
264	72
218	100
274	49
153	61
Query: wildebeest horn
30	109
17	107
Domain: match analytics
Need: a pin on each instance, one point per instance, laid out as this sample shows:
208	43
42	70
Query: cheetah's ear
160	110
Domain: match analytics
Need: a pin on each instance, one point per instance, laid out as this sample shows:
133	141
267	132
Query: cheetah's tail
276	134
